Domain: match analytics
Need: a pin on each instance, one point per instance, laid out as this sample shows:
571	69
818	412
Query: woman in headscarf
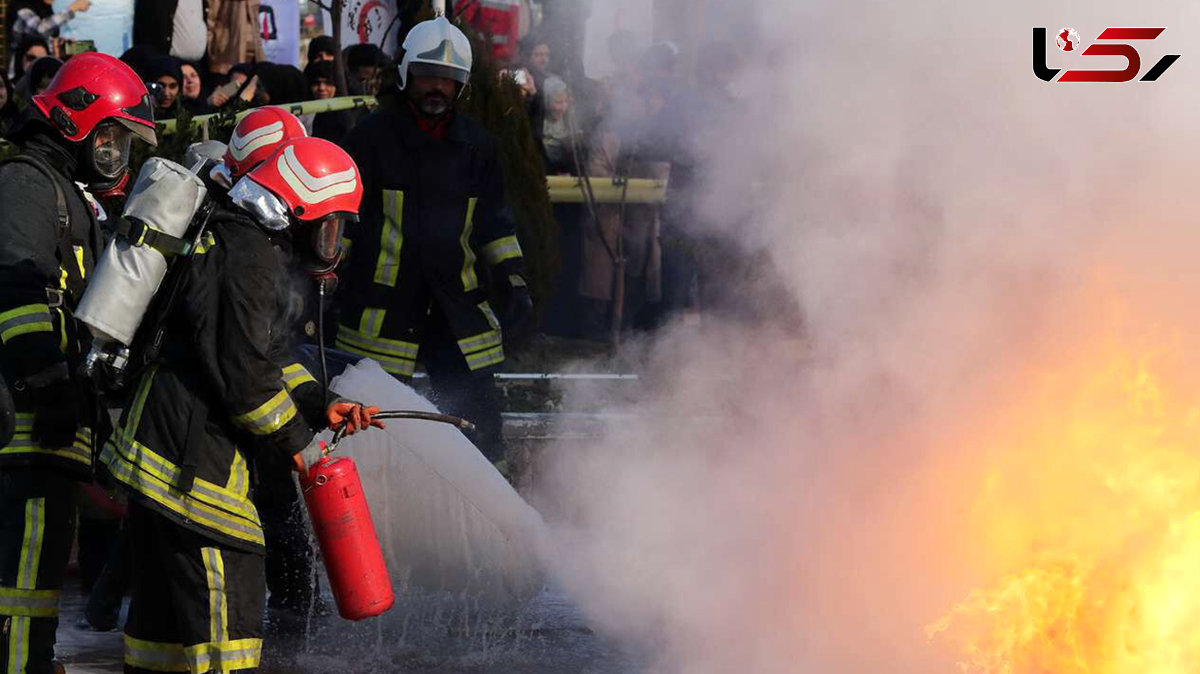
166	73
30	49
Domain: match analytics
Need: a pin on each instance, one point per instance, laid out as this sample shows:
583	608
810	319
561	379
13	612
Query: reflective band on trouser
269	416
478	361
27	572
32	603
154	655
218	606
224	656
469	280
396	357
391	238
22	443
136	473
503	249
24	320
295	376
487	340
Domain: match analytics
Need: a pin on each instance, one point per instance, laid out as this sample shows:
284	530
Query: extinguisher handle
457	422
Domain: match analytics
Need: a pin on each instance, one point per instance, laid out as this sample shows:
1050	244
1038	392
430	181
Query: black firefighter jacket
39	339
431	209
224	387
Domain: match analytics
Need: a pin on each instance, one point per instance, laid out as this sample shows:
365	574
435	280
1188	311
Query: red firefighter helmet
310	185
257	137
92	88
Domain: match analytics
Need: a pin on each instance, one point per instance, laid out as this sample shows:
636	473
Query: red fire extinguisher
346	534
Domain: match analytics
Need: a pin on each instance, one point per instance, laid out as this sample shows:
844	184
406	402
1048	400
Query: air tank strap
138	233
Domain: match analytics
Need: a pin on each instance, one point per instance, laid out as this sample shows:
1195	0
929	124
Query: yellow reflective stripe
381	345
27	572
146	459
486	340
506	248
484	359
218	615
31	603
155	656
31	545
488	314
371	322
206	243
295	376
269	416
400	366
239	476
22	442
391	238
184	505
24	320
469	281
224	656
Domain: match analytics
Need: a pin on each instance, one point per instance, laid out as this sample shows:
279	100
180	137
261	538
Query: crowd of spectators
625	265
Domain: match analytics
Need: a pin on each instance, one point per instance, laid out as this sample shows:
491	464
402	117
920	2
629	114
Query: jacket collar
413	135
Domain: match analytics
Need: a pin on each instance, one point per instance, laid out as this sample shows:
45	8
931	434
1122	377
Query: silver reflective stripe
31	603
135	453
269	416
183	505
155	656
388	347
486	340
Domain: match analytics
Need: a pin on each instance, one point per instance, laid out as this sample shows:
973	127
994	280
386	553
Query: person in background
166	72
173	27
434	205
280	83
30	49
36	18
331	126
8	105
191	91
234	35
557	138
363	62
36	80
243	76
321	48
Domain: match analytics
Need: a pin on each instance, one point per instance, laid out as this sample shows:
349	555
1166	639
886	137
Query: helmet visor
110	148
422	69
327	237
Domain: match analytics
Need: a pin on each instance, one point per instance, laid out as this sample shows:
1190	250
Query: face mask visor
110	150
327	237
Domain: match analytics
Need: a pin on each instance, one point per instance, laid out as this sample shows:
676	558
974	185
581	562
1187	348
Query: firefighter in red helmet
223	392
78	131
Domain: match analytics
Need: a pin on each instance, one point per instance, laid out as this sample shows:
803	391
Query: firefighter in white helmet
434	209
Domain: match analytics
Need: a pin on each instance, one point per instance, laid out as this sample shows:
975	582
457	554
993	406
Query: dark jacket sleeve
31	342
251	381
495	232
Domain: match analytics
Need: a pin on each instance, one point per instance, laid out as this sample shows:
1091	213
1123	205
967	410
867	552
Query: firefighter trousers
457	390
196	605
37	524
291	578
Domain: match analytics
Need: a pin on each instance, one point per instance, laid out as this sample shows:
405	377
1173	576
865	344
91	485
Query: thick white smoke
796	502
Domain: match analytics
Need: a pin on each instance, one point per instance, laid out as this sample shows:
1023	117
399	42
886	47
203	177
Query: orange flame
1090	517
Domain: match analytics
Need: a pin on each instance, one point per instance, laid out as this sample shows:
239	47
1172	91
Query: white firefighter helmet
438	48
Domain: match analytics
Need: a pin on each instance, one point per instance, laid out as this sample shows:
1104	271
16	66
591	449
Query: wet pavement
422	633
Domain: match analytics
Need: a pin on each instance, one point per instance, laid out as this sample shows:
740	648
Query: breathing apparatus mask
105	159
317	243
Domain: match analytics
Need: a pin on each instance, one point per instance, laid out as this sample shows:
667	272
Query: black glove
518	311
56	414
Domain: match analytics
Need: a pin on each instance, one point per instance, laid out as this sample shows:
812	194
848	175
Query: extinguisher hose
458	422
321	343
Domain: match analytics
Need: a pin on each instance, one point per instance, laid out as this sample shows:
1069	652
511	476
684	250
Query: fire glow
1089	516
